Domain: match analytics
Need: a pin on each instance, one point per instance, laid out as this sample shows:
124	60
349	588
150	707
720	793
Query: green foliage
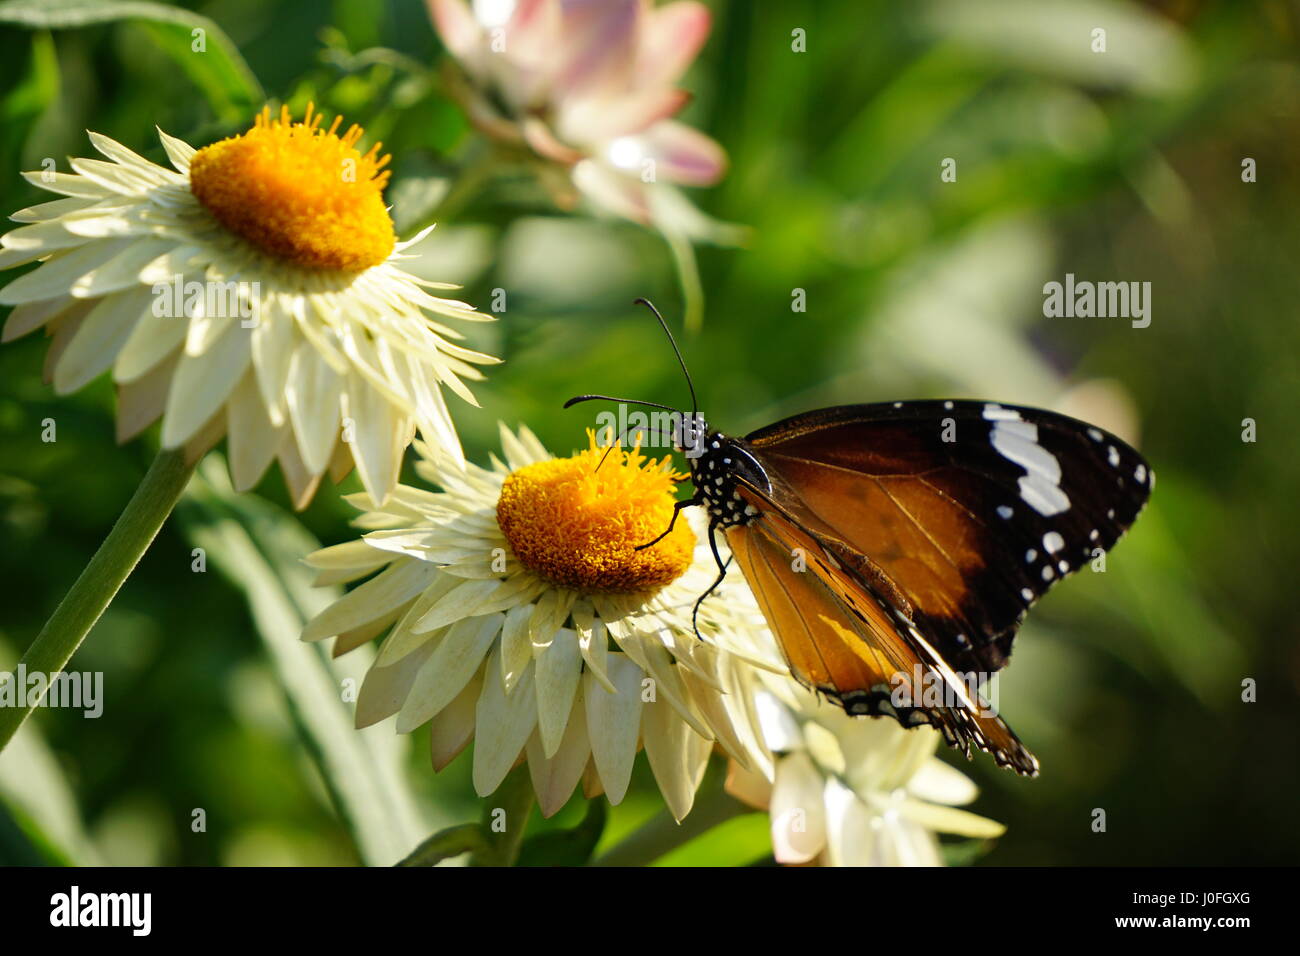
1122	166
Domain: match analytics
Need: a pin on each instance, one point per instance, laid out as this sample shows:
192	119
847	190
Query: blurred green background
1123	166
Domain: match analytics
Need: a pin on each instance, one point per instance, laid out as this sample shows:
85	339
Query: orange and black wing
843	638
961	514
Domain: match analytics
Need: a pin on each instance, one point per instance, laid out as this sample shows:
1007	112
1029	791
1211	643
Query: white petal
452	728
798	815
153	339
502	727
102	335
614	723
312	394
123	270
678	756
384	689
851	830
139	403
516	647
202	385
549	614
558	671
67	184
251	437
48	211
377	437
938	782
593	641
457	657
555	777
29	317
461	601
57	275
942	819
749	786
392	587
301	483
273	345
178	151
341	563
403	639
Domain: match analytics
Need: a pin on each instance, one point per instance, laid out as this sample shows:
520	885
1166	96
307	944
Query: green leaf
218	69
567	847
445	844
259	548
39	818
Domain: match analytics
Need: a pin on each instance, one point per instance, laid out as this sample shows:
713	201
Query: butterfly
894	548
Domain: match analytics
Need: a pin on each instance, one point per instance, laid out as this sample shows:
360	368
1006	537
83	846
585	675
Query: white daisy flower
854	791
255	291
521	614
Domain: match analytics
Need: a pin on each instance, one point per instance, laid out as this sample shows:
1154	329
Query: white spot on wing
1053	542
1017	441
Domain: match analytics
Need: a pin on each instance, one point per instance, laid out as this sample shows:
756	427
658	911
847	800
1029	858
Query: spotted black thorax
719	465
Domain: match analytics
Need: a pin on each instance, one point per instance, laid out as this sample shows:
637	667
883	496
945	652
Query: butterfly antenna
695	405
610	398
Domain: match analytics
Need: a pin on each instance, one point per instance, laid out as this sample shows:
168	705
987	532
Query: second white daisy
524	617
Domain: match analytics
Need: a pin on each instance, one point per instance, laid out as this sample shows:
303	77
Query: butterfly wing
961	513
842	638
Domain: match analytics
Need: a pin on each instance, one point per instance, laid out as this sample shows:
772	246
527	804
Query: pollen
299	192
576	522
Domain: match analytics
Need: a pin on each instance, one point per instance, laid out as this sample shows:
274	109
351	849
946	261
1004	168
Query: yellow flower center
298	192
576	525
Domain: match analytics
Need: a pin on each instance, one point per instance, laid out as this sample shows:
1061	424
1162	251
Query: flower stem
663	834
99	582
504	820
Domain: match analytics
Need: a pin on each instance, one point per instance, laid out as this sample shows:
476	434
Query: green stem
664	834
506	829
99	582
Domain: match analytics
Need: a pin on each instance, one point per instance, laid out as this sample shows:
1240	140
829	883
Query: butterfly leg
677	509
722	574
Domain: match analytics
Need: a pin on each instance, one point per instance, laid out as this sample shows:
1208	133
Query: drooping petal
614	723
253	440
452	728
385	689
502	727
103	333
798	814
455	659
557	673
678	755
202	384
